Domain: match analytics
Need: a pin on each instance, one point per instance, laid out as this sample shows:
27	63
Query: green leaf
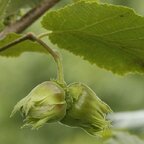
110	36
124	138
26	46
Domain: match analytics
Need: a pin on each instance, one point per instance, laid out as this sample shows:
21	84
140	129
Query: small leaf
110	36
26	46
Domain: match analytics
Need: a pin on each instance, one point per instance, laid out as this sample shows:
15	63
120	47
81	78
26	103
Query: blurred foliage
19	75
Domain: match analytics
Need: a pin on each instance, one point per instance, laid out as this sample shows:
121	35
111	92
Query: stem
53	53
60	73
56	57
43	35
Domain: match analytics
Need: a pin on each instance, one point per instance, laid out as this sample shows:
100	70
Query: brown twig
29	18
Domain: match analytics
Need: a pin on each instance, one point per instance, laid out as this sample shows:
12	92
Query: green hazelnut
45	103
87	110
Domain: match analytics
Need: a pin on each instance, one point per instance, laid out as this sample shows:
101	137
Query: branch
29	18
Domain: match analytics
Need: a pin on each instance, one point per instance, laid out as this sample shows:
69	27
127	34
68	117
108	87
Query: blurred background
19	75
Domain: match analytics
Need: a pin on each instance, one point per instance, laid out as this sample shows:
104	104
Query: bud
87	110
45	103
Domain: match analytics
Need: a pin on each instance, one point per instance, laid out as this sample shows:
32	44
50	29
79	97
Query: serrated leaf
124	138
110	36
26	46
